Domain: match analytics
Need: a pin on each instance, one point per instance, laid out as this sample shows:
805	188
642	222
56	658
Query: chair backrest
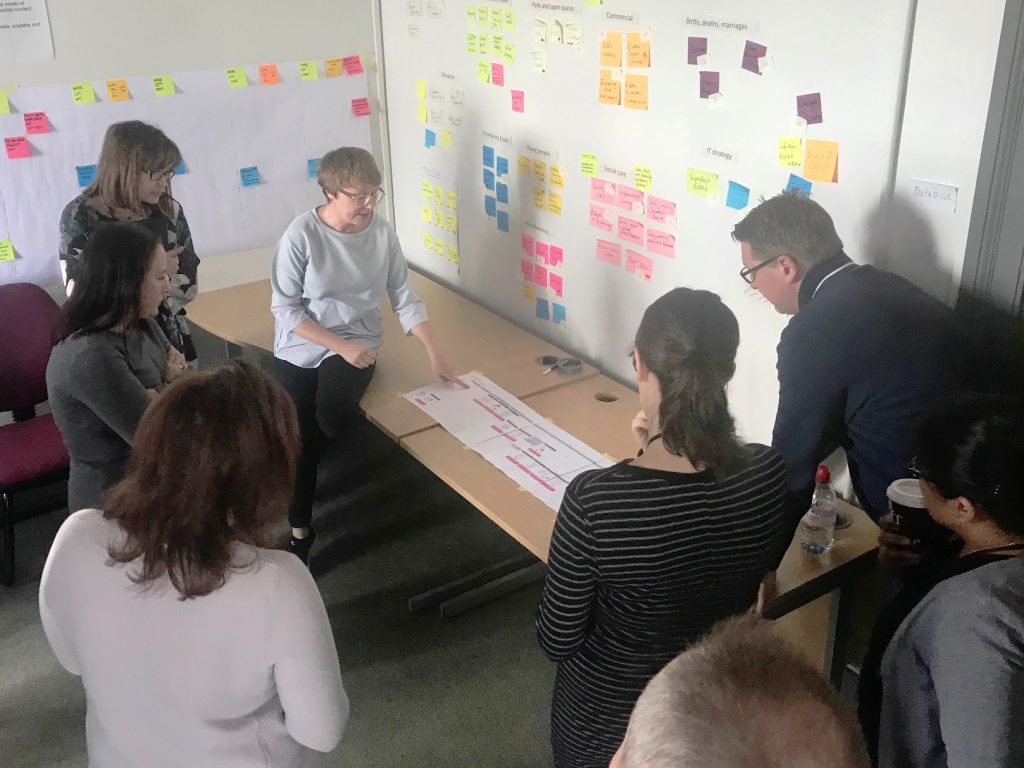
27	313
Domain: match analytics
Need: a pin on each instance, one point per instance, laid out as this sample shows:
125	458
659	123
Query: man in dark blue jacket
866	356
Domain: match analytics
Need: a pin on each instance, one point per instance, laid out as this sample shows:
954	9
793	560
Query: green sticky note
308	70
642	177
6	250
481	15
483	72
496	16
588	164
483	43
236	77
509	54
510	20
595	2
471	43
82	93
701	183
163	85
471	14
5	105
497	44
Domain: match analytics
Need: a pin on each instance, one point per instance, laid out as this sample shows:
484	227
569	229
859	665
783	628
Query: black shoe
300	547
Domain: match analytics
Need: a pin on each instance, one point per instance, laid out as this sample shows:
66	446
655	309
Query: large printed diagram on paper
533	452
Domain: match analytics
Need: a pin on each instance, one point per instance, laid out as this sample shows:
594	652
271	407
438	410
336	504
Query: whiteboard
852	55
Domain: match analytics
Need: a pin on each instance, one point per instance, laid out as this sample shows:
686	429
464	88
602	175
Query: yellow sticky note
642	177
555	203
636	92
821	161
556	176
6	250
446	139
609	90
428	241
483	72
508	55
611	49
791	152
236	77
450	223
438	195
701	183
529	292
453	253
427	191
471	46
82	93
5	105
163	85
426	214
497	44
588	164
117	90
421	90
421	112
482	15
540	198
333	67
483	43
451	199
308	71
496	18
471	14
439	246
438	217
523	163
510	20
638	49
540	170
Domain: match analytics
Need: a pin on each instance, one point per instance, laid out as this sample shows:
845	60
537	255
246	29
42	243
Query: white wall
139	37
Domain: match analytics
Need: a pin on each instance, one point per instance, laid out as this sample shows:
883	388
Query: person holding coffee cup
940	682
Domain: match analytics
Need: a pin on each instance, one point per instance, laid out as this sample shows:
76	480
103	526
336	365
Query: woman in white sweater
195	643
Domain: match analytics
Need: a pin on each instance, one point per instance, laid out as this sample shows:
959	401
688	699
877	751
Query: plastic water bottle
819	521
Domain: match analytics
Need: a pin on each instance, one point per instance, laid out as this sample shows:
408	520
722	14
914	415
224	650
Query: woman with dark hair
109	357
197	644
133	183
648	554
943	680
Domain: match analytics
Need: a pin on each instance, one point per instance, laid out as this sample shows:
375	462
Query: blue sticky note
488	157
738	196
558	313
429	138
501	190
180	169
490	205
489	179
86	173
502	221
311	167
542	309
502	169
802	186
250	176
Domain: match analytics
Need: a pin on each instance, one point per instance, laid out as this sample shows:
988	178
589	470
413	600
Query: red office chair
32	452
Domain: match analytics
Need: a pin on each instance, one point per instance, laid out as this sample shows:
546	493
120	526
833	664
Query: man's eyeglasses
747	273
159	175
364	200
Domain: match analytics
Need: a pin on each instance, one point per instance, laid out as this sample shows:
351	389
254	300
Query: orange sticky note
611	49
36	122
821	159
269	74
609	90
333	67
636	92
117	90
638	49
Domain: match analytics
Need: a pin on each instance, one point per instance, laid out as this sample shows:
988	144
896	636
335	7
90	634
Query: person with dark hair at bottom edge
646	555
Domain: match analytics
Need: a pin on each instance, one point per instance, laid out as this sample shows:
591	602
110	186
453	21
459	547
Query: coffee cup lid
906	491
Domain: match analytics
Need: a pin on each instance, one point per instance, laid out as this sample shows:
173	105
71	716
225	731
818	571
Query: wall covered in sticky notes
629	139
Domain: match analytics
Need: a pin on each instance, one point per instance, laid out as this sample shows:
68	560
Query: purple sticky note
709	83
695	46
808	107
751	53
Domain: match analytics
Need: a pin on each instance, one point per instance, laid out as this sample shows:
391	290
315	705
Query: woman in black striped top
648	554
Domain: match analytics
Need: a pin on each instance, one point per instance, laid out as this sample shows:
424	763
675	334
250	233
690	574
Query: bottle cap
822	475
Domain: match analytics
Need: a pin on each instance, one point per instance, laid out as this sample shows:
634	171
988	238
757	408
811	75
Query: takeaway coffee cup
906	503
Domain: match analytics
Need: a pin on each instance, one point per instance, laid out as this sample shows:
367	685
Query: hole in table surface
606	397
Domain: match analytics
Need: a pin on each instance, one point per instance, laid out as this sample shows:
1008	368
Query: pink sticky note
542	252
638	264
609	253
497	73
661	211
361	106
526	267
526	243
36	122
751	53
555	256
631	231
518	101
17	147
540	276
808	106
661	243
353	65
629	199
600	218
555	281
647	267
602	191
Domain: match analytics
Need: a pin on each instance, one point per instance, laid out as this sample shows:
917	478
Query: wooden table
476	339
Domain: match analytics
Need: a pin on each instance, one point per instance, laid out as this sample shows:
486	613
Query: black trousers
327	401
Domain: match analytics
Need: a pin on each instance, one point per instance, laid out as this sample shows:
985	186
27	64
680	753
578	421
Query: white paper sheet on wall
25	32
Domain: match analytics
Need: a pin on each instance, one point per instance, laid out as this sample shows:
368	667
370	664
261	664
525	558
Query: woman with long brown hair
197	644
